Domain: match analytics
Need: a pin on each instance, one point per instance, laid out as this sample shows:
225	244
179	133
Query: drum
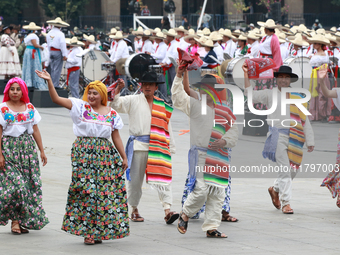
93	68
137	64
108	66
208	71
301	67
234	74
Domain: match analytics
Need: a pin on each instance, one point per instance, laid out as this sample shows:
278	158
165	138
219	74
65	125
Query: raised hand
323	71
245	67
43	74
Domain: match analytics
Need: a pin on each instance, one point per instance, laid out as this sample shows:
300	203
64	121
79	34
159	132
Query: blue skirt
29	66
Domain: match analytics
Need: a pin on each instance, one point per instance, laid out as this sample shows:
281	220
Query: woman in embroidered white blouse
96	207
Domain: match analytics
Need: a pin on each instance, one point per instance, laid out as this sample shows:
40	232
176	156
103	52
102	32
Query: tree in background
336	2
65	9
10	8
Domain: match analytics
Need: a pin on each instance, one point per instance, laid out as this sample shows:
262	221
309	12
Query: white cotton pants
283	183
203	193
134	187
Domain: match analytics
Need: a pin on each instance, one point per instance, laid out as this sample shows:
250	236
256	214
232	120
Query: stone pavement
261	229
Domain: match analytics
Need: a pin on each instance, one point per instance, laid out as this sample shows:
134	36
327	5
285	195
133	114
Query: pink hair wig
23	87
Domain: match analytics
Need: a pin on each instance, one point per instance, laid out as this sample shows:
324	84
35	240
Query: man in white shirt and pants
228	44
57	48
147	46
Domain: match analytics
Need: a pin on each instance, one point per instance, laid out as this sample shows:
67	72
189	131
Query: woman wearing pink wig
20	183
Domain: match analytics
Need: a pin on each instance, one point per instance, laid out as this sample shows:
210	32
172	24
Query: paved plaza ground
262	229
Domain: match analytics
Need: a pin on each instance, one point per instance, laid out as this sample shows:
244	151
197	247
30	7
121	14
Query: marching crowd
97	204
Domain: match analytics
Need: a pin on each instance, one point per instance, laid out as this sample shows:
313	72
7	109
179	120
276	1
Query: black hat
287	70
210	80
150	77
5	27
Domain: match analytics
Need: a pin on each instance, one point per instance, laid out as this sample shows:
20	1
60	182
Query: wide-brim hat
208	43
321	31
282	37
190	36
156	30
252	35
5	27
159	35
171	32
319	38
215	36
58	22
287	70
147	33
139	31
228	33
201	40
332	38
181	29
118	35
113	31
90	38
298	41
236	33
74	41
206	31
242	37
268	24
209	80
251	25
31	26
150	77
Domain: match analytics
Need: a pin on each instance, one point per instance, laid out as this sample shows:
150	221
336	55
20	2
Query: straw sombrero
90	38
321	31
252	35
171	32
331	38
201	40
236	32
282	37
215	36
118	36
156	30
206	31
31	26
268	24
299	41
319	38
139	31
112	31
74	41
159	35
227	33
191	35
221	30
208	43
181	29
147	33
242	37
58	22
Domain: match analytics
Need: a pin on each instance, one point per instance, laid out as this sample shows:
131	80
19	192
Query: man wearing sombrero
284	144
57	48
150	145
211	136
147	46
181	32
73	64
228	44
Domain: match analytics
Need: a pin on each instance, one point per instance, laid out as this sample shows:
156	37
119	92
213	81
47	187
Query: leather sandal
287	210
227	217
135	217
89	241
275	197
98	241
15	228
171	217
23	230
182	225
215	234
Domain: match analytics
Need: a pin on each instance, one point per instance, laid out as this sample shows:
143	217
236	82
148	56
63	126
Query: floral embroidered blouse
16	123
88	123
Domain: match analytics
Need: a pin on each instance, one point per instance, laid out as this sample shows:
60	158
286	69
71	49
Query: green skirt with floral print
97	202
20	183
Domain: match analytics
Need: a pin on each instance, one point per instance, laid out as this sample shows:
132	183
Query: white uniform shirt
171	52
265	45
219	51
254	49
183	45
88	123
56	39
147	46
138	45
121	51
284	51
28	39
229	47
72	59
160	52
16	123
139	118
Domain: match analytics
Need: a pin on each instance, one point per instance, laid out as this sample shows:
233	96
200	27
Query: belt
69	70
266	55
34	50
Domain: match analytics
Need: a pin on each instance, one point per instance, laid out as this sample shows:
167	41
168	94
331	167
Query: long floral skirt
20	183
332	180
97	203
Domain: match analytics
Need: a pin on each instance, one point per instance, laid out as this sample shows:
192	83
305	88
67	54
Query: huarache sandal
182	225
135	217
89	241
287	210
228	218
23	230
171	217
98	241
275	197
216	234
15	228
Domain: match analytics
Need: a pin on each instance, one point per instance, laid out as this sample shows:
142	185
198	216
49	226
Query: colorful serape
158	168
